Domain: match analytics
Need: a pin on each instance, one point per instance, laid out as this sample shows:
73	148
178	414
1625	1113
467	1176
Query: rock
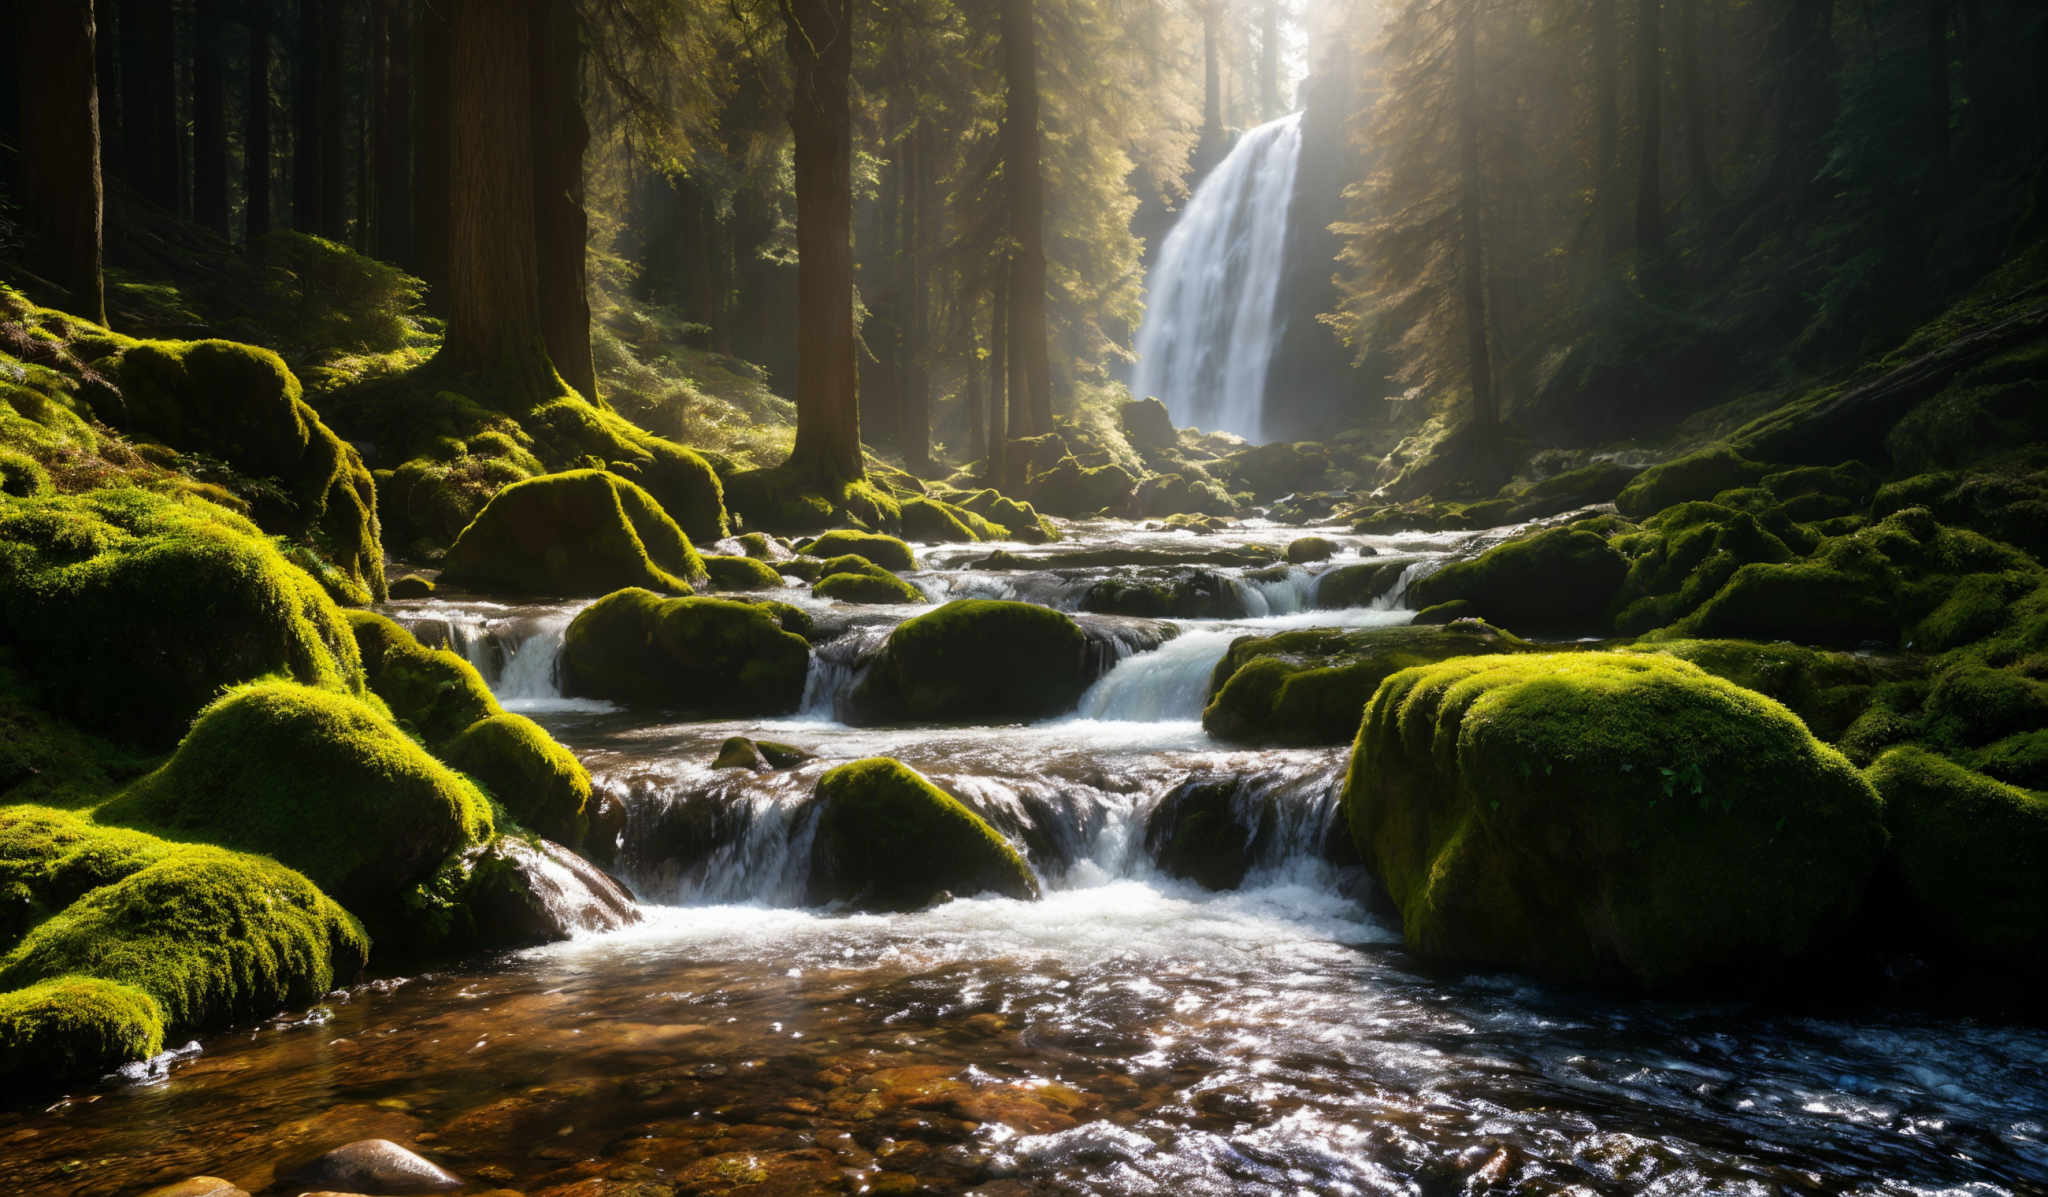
1068	488
885	551
516	893
431	690
317	780
1700	475
1307	549
575	533
785	502
375	1166
1311	686
1181	494
741	573
851	579
75	1028
1195	833
888	839
412	586
197	1186
1273	470
1601	818
1170	593
1562	580
1359	585
144	608
706	655
1147	425
1018	519
760	756
1598	482
978	661
1967	853
935	520
1829	691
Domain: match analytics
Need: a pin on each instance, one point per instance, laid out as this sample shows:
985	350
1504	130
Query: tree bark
1030	368
392	224
1650	134
332	121
209	118
998	382
309	190
430	199
60	150
494	320
819	37
149	105
1472	262
559	138
915	436
1607	126
256	127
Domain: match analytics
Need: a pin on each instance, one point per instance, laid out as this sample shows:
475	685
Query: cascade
1210	324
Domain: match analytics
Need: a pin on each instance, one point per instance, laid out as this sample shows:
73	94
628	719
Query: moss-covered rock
1181	494
211	936
1829	691
1306	550
1271	470
704	655
934	520
1359	585
1019	520
1167	593
511	892
1700	475
852	579
73	1028
885	551
131	610
1072	489
1563	579
580	532
781	501
1683	557
317	780
412	586
51	858
1311	686
888	839
684	486
435	692
1967	853
978	661
1597	482
741	573
535	780
1607	818
759	756
1147	425
22	476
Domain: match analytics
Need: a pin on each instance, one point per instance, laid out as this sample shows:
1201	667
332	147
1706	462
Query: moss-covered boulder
932	520
782	501
1359	585
1596	482
569	430
1967	852
741	573
51	858
430	690
1562	580
1147	425
852	579
1829	691
885	551
703	655
1311	686
240	404
978	661
320	782
72	1028
1306	550
211	936
887	839
1019	520
579	532
1181	494
1168	593
1700	475
412	586
1272	470
1607	818
131	610
1072	489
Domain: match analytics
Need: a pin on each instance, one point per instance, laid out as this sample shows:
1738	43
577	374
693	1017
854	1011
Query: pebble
198	1186
377	1167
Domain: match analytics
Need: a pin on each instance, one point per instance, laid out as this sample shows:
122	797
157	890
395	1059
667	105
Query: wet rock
198	1186
888	839
412	586
1563	579
1196	834
1311	548
1169	593
978	661
375	1166
1147	425
520	892
713	656
761	756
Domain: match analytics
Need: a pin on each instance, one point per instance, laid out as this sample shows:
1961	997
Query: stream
1128	1034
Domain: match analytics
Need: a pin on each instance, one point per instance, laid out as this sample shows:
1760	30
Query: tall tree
432	179
391	32
1607	199
915	424
309	164
1030	372
60	149
1699	168
149	102
209	117
561	226
819	37
1649	132
256	148
1471	258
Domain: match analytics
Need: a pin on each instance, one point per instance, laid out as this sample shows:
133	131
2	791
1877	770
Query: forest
626	598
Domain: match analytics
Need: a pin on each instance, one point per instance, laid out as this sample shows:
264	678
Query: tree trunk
1937	84
1607	126
915	427
1698	167
998	382
256	128
392	138
1650	134
106	51
494	321
209	119
973	391
819	37
1472	262
430	199
333	111
309	190
1030	369
1804	49
60	150
149	102
559	138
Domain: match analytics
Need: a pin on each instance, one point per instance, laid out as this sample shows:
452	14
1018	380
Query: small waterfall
1210	325
516	654
1170	683
1396	597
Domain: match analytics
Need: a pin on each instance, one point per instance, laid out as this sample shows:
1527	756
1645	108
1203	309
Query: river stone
978	661
198	1186
532	892
761	756
888	839
375	1167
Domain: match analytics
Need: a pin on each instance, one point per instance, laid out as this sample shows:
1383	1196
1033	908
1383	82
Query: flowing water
1210	324
1130	1033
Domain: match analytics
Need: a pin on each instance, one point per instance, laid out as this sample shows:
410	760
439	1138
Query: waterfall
1210	324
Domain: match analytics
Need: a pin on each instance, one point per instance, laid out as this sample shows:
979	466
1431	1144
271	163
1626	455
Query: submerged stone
375	1166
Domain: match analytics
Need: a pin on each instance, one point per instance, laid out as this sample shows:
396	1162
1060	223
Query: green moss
1598	482
2020	759
535	780
1018	519
887	839
710	656
1562	579
683	485
1972	705
143	607
1597	817
412	586
425	504
779	500
1967	852
759	546
580	532
851	579
1181	494
51	858
74	1028
1829	691
22	476
1071	489
932	521
1307	549
1358	585
1310	687
741	573
317	780
885	551
1700	475
433	691
975	661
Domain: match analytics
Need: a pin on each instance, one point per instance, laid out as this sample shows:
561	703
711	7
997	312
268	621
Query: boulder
1561	580
888	839
1700	475
1306	550
374	1166
1359	585
1167	593
1311	686
74	1028
1602	818
852	579
513	893
1273	470
759	756
1147	425
885	551
1181	494
1071	489
574	533
741	573
704	655
412	586
935	520
1018	519
978	661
